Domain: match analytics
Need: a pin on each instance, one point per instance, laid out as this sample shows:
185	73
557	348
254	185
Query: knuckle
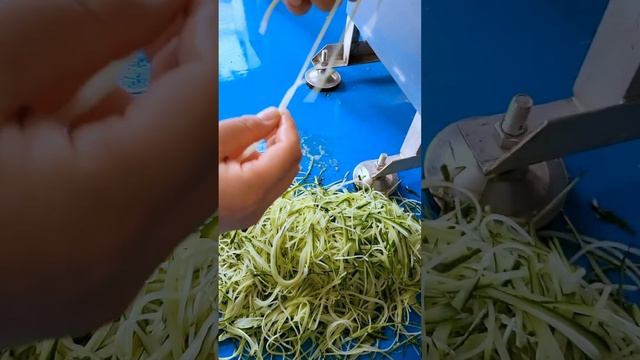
246	122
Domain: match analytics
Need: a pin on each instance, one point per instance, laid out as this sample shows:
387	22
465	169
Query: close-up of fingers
113	104
99	29
165	59
280	184
287	133
272	139
199	35
167	36
246	131
298	7
250	157
271	164
324	5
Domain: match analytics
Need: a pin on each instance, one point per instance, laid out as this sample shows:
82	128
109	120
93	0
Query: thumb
236	135
82	36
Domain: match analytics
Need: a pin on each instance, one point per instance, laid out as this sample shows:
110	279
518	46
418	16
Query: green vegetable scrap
611	217
174	316
321	275
493	290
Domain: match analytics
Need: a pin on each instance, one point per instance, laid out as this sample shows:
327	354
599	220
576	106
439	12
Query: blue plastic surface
367	115
478	54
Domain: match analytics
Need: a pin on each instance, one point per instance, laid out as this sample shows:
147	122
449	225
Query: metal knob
324	78
515	120
324	58
382	161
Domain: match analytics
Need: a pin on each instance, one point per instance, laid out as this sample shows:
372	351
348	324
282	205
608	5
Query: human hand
90	205
249	185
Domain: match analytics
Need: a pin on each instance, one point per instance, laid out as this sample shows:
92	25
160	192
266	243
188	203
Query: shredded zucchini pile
496	291
174	316
322	274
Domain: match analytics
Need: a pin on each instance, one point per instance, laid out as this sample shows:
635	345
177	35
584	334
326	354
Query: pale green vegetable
322	274
288	96
174	316
267	15
516	294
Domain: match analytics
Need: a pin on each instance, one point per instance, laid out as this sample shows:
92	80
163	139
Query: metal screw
324	58
515	120
382	161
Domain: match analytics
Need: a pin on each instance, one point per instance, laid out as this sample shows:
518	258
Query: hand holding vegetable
248	185
88	210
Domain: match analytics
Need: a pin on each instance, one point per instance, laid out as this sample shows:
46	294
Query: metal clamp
351	51
381	174
530	140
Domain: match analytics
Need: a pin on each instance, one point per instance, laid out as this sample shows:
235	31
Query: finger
251	157
197	30
163	139
165	60
114	104
236	135
271	139
101	29
298	7
196	44
284	154
281	185
167	36
259	206
324	5
181	217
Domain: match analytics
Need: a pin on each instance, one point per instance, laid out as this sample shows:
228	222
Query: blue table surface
367	115
487	51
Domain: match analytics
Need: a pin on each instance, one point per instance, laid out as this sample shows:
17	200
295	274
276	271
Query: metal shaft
515	120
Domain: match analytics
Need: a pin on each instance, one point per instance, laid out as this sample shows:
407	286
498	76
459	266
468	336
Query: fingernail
295	2
269	114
